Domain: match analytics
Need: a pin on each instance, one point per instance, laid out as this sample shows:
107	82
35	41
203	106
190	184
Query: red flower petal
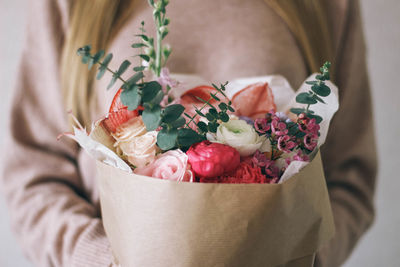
119	113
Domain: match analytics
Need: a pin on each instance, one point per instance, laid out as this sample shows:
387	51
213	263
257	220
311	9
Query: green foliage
305	98
104	66
166	139
151	117
321	89
174	130
188	137
318	90
172	112
131	98
150	91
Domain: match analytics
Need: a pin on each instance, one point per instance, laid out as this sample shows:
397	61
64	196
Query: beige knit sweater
50	185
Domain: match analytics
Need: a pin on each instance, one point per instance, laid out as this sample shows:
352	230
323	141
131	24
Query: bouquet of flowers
199	175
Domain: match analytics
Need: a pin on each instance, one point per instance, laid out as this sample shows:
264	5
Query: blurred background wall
381	245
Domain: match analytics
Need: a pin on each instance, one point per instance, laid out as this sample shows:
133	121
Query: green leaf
133	80
311	82
90	63
107	59
188	137
178	123
84	50
139	45
187	115
321	89
222	106
210	117
123	67
166	139
150	91
85	59
151	117
144	37
166	52
202	126
158	98
212	126
305	98
145	57
199	113
98	56
172	113
104	65
215	97
112	82
297	111
223	116
141	68
166	21
213	112
131	98
164	34
318	99
231	109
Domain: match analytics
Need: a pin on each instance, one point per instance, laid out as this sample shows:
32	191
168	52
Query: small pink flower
259	159
285	144
165	80
271	171
300	156
308	126
310	141
278	127
261	125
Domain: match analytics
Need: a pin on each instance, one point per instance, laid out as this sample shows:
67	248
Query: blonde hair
97	22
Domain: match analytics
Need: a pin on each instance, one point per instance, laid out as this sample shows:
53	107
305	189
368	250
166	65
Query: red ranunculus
246	173
212	159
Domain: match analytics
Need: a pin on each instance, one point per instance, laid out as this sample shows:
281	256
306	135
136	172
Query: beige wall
381	246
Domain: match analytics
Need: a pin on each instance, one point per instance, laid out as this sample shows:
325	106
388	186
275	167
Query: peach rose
134	143
141	150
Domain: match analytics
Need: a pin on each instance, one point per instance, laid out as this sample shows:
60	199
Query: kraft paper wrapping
153	222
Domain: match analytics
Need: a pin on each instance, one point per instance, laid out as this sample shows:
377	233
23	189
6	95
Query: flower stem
159	40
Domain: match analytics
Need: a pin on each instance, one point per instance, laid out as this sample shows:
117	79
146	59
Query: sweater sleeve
349	154
52	218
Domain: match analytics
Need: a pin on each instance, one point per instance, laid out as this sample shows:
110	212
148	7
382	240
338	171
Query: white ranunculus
242	136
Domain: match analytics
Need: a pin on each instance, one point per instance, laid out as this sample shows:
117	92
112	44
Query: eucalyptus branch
111	71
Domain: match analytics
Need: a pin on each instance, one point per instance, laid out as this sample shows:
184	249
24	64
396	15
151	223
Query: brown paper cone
153	222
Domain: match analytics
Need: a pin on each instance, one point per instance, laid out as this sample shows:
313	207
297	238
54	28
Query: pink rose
212	159
171	165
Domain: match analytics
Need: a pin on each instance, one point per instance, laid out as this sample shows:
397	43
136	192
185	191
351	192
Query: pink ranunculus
212	159
171	165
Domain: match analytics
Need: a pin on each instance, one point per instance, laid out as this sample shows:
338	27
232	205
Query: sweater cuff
92	247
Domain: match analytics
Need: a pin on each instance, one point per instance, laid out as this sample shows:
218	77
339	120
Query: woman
50	185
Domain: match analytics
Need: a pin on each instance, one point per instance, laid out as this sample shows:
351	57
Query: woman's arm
349	153
54	222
